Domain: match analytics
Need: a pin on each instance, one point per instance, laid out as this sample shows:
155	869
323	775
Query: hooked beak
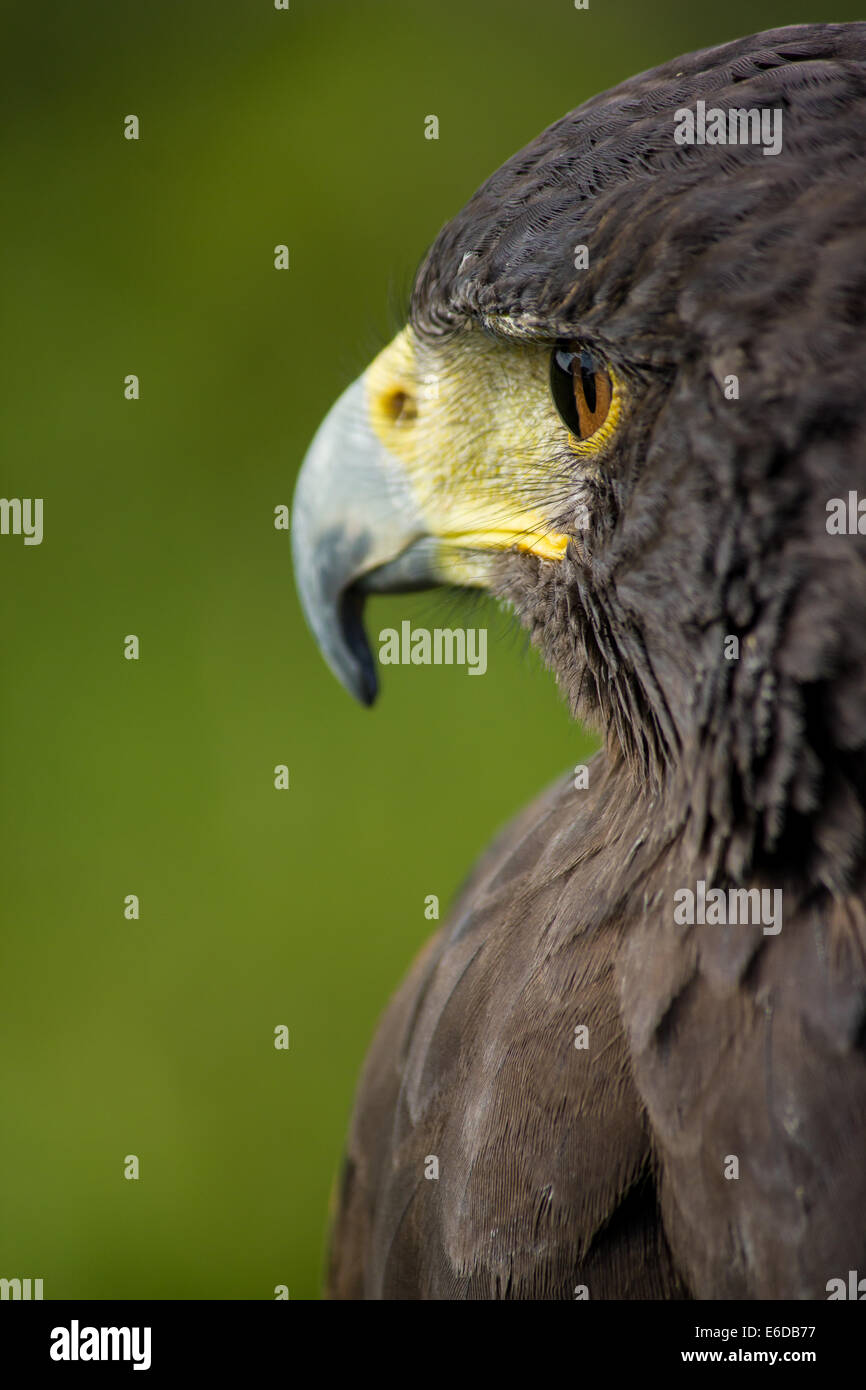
356	529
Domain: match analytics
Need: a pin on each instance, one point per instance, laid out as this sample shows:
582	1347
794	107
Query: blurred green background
155	777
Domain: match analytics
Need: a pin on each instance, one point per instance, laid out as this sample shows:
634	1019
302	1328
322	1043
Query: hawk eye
581	390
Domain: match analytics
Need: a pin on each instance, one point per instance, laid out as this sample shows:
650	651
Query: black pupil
564	367
587	376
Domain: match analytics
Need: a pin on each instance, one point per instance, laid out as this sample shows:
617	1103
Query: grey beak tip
358	674
367	696
362	686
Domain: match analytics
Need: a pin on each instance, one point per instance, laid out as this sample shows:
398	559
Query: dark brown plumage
705	518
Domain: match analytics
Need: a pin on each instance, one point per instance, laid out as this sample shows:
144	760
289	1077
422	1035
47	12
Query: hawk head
630	387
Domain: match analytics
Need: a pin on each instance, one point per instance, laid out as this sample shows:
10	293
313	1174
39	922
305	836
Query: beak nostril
399	406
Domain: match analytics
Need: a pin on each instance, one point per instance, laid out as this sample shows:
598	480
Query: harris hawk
646	433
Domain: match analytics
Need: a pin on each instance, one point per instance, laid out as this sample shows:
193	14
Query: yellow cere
471	421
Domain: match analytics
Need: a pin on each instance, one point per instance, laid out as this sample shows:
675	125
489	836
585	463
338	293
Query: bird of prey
630	400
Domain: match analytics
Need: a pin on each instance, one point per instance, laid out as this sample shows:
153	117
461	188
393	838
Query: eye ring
581	388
